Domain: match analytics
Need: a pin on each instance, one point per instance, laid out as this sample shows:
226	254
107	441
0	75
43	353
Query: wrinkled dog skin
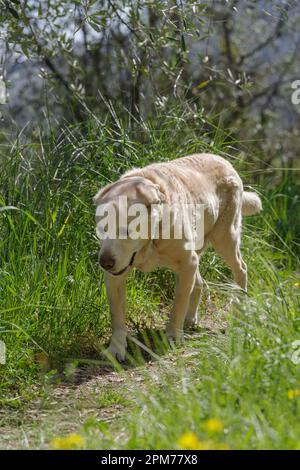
196	179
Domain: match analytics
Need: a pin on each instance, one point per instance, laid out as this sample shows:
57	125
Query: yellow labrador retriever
204	179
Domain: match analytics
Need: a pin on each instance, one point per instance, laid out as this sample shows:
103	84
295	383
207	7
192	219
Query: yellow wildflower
213	425
72	441
297	284
293	394
189	441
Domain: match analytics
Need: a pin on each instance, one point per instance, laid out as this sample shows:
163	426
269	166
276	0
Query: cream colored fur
201	178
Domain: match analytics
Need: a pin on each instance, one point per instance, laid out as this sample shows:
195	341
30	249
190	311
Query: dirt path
67	407
103	395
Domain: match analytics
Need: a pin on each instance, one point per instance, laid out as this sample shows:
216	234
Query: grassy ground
238	368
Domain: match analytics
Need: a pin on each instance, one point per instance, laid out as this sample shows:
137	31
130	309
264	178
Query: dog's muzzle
124	269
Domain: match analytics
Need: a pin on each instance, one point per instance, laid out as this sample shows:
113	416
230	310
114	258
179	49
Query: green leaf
94	24
14	13
183	46
203	84
25	50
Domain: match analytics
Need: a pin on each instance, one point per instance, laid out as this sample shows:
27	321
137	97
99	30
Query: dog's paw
190	323
117	347
174	336
117	352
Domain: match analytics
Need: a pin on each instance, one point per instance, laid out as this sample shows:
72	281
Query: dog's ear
101	193
151	193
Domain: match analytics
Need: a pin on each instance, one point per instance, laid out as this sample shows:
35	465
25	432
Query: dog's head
123	214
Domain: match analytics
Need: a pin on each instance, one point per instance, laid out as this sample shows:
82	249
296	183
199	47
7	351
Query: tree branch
275	35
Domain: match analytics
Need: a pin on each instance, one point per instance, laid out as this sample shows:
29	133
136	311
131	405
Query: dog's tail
251	203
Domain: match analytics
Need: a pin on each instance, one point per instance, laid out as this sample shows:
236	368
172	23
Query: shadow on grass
149	345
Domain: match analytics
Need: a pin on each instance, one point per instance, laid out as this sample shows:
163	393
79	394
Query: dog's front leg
185	280
115	288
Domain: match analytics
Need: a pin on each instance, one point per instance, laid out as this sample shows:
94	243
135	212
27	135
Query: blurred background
233	62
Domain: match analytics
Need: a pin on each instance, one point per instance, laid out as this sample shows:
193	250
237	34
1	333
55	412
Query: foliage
237	58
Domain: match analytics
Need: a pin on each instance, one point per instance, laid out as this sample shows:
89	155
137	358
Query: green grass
110	398
53	306
241	378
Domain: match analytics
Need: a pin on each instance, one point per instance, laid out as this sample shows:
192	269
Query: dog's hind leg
226	235
191	316
185	279
228	246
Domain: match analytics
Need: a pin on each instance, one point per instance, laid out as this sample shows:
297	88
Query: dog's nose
106	261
